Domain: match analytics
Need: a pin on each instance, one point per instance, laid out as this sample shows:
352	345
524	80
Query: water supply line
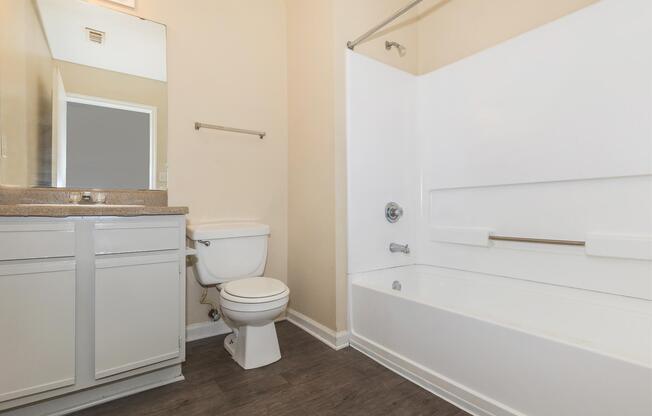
214	312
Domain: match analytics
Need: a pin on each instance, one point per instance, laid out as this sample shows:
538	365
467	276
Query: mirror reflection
83	97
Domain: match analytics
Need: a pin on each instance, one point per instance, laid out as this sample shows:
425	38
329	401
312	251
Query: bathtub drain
396	285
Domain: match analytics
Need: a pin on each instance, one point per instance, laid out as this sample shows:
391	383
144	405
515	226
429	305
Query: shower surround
545	136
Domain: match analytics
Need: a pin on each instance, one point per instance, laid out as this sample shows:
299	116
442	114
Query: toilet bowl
232	257
251	305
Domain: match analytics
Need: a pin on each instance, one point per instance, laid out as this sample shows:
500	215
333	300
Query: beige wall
311	202
116	86
449	30
227	63
25	95
317	35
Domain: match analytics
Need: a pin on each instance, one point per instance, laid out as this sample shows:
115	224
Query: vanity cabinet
136	312
37	327
89	304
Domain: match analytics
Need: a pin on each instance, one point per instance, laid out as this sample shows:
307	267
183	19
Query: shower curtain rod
352	44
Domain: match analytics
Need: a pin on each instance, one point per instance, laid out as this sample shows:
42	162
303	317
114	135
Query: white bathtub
498	346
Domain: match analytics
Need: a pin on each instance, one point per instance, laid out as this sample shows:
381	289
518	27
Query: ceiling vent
95	36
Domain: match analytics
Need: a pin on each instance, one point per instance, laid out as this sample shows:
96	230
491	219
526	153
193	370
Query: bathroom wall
227	65
311	246
317	35
449	30
25	95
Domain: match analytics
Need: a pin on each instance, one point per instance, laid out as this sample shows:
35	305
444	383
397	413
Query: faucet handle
99	198
393	212
74	197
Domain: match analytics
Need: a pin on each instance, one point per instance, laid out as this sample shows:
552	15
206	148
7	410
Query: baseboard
117	396
335	340
461	396
205	330
83	399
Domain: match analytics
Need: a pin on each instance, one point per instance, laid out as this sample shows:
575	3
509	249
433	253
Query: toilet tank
229	251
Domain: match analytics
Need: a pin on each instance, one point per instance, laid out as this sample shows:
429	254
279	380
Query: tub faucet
399	248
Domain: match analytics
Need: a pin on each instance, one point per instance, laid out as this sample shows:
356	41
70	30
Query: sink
82	205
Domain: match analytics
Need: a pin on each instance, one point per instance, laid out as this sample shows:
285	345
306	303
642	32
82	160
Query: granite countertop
55	202
71	210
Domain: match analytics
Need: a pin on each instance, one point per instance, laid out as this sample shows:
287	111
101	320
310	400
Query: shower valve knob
393	212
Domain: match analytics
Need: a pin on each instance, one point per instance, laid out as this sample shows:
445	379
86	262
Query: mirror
83	97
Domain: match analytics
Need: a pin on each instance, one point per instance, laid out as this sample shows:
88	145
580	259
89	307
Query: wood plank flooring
310	379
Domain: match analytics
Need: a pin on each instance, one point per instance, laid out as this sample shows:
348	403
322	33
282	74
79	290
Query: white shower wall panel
381	151
572	210
548	135
569	100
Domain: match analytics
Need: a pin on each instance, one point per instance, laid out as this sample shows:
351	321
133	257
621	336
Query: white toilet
232	257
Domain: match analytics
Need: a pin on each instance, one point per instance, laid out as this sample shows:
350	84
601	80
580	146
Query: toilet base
253	346
229	343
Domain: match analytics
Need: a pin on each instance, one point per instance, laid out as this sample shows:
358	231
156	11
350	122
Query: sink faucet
399	248
87	198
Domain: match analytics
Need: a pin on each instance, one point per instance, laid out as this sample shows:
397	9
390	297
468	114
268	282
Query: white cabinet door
137	310
37	327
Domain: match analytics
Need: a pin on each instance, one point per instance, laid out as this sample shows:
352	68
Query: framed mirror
83	97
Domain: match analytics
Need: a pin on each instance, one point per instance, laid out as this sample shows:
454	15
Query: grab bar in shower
199	125
537	240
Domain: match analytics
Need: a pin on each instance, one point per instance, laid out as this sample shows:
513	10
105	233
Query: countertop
73	210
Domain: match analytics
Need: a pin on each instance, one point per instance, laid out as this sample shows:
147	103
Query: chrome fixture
393	212
399	248
75	197
396	285
199	125
204	242
352	44
537	240
391	44
214	314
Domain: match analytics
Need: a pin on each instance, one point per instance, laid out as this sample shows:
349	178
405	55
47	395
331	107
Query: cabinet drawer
33	240
132	237
37	323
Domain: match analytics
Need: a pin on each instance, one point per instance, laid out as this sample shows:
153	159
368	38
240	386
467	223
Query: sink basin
82	205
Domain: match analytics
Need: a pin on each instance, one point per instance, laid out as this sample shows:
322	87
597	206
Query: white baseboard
205	330
335	340
461	396
82	399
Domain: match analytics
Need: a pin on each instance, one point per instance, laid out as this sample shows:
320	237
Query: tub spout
399	248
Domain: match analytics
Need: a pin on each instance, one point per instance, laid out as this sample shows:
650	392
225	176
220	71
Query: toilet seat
254	290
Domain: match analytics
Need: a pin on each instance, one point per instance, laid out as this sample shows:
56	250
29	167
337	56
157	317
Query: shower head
391	44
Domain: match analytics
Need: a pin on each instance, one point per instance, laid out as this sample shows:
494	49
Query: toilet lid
255	287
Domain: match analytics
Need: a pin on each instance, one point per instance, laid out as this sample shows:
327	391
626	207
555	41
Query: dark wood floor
311	379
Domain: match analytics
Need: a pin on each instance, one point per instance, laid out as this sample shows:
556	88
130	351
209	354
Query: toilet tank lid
214	231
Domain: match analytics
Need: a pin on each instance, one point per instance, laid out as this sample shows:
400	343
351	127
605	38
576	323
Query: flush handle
204	242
